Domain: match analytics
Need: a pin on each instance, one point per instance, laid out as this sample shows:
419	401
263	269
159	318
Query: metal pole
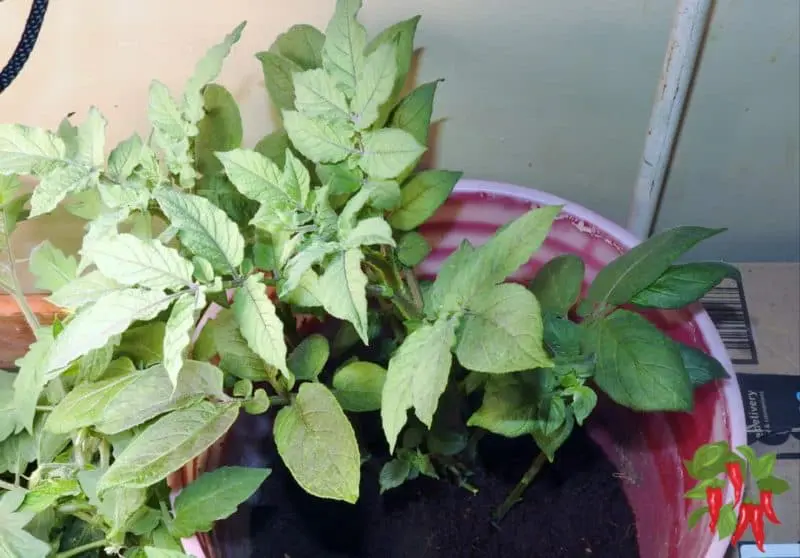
685	44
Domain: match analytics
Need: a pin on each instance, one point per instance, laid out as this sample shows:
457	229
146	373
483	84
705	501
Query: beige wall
553	95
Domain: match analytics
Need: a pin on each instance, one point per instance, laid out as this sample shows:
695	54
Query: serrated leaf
222	193
317	96
124	158
622	279
95	325
26	150
550	443
16	452
417	376
255	176
295	180
309	357
168	444
383	194
144	344
45	494
358	386
278	72
204	229
369	232
132	195
345	41
302	261
343	290
164	113
401	35
557	284
8	416
83	290
584	400
260	325
637	365
52	268
680	285
502	332
214	496
388	152
318	445
320	141
55	186
219	130
31	378
177	335
393	474
413	113
701	367
422	196
375	85
15	541
91	139
148	263
302	44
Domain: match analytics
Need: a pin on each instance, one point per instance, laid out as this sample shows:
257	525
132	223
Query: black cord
26	43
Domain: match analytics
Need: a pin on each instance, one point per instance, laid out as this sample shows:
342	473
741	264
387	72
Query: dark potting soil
574	509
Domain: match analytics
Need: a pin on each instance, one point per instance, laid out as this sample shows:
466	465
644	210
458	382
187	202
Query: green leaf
317	96
165	115
637	365
345	41
144	344
95	325
168	444
16	452
308	359
388	152
318	445
15	541
302	262
91	139
773	484
422	196
696	516
509	407
31	378
51	267
214	496
557	285
83	290
260	325
393	474
274	146
762	468
55	186
358	386
584	400
702	368
219	130
343	290
320	141
148	263
562	337
236	356
25	150
124	158
383	194
680	285
413	113
278	72
295	180
259	404
204	229
369	232
726	523
401	35
177	334
412	249
375	85
468	271
45	494
549	443
340	179
502	332
302	44
156	552
8	416
255	176
622	279
417	376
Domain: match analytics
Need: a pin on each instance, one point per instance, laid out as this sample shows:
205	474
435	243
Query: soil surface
574	509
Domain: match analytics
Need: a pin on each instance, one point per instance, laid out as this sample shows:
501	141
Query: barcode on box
728	310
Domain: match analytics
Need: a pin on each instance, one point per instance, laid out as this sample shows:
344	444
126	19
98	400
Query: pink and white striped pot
647	449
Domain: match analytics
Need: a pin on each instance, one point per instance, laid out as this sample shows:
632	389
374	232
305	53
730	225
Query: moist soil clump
575	508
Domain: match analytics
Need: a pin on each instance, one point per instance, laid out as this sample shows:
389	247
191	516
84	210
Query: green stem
81	549
8	486
516	494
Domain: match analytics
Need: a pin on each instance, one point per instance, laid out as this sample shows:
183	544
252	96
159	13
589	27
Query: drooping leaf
302	44
375	85
124	158
317	96
302	262
168	444
369	232
148	263
637	365
31	378
260	325
221	192
358	386
143	344
83	290
388	152
345	41
681	285
619	281
54	187
319	140
417	376
412	249
509	407
422	196
278	73
413	113
204	229
557	285
308	359
343	290
177	334
96	324
214	496
219	130
236	356
318	445
701	367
